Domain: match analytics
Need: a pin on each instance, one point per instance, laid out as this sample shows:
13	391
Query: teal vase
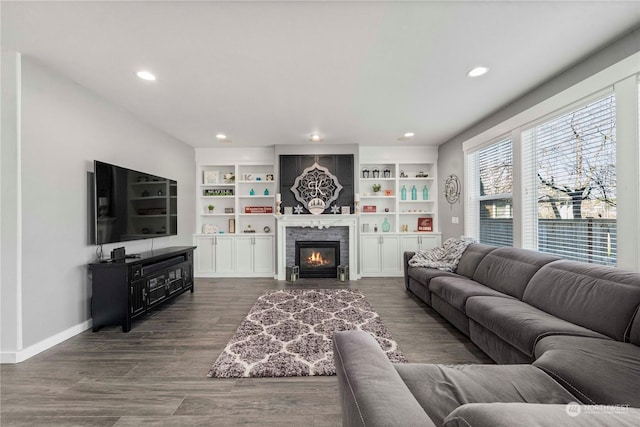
414	193
385	225
425	193
403	193
252	192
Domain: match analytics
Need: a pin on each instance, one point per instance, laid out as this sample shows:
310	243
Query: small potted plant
376	189
210	208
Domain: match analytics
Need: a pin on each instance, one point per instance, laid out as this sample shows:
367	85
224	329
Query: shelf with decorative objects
401	216
235	205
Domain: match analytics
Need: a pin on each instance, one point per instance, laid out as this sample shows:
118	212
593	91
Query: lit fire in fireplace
316	260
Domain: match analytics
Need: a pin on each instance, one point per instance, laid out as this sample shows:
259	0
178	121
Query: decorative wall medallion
452	189
316	188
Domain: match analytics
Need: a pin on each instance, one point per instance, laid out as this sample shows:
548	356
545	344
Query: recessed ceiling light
221	136
409	135
314	137
146	75
477	71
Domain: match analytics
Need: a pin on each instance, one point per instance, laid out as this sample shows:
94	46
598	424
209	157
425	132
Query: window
569	167
490	204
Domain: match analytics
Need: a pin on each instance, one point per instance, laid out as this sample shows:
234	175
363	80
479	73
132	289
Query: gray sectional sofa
562	332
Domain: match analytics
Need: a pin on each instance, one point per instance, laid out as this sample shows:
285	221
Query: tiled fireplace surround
319	228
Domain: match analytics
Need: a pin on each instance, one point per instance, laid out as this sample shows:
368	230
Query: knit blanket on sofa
445	258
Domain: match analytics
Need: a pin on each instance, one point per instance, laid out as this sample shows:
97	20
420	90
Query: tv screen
132	205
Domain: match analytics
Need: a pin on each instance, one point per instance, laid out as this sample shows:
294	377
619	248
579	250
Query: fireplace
318	258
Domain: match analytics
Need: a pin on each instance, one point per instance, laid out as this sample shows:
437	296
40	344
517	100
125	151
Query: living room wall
62	128
603	68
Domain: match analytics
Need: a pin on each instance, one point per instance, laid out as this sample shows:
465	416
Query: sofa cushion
634	332
539	415
508	270
371	391
440	389
520	324
456	290
471	258
600	298
594	370
424	275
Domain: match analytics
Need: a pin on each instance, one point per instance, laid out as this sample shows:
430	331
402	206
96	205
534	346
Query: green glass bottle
425	193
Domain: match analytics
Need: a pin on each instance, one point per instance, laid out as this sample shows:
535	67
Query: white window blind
569	179
489	202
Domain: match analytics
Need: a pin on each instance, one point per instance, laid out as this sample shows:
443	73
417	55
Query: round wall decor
452	189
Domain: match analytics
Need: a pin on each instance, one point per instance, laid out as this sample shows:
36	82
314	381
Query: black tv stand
128	288
132	256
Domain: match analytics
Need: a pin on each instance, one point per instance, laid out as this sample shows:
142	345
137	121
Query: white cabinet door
409	244
254	254
263	254
429	241
205	255
224	254
370	250
390	255
243	253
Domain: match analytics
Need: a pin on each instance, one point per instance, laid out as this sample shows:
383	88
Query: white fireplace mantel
316	221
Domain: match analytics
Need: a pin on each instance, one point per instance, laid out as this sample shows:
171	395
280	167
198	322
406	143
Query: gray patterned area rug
289	333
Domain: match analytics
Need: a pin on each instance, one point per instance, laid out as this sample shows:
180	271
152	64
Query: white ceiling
269	73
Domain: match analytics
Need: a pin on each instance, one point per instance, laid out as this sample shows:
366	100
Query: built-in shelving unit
389	218
236	238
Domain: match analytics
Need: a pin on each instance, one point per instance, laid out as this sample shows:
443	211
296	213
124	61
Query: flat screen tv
132	205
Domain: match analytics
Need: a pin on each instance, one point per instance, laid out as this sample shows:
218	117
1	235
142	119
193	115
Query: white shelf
255	214
417	179
377	213
256	196
399	209
218	214
256	182
216	197
417	213
377	197
218	185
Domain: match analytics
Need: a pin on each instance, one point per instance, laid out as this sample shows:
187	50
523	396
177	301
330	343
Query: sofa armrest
540	415
407	256
371	390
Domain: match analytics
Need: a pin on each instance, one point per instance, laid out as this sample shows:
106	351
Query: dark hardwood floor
156	374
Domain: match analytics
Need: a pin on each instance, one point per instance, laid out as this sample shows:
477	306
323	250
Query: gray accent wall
450	154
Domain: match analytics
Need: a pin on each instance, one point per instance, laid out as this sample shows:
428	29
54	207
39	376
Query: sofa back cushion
508	270
603	299
634	333
471	258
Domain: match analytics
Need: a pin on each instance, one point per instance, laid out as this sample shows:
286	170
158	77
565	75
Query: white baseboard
45	344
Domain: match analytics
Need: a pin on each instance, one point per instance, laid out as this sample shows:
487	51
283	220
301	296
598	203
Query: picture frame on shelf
269	177
346	210
211	177
288	210
228	210
425	224
232	225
